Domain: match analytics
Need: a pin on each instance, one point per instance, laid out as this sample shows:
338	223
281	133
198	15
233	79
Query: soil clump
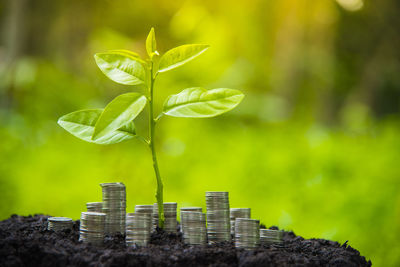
25	241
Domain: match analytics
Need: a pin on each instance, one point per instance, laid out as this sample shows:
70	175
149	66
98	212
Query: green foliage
128	53
197	102
180	55
119	112
151	45
121	67
115	123
82	124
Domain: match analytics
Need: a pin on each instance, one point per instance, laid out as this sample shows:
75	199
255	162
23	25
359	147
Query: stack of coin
194	230
247	233
92	227
94	206
198	209
269	237
59	223
170	223
238	213
218	220
138	226
144	209
114	205
147	209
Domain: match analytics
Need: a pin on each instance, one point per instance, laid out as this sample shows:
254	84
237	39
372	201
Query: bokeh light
351	5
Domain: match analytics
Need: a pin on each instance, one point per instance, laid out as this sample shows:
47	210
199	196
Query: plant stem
152	124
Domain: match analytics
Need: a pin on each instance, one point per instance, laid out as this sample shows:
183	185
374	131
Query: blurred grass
319	182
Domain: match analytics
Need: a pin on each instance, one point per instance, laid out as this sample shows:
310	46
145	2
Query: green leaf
121	67
81	124
151	45
197	102
127	52
130	54
123	109
180	55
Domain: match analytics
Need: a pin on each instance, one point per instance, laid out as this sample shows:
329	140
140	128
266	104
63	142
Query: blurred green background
313	147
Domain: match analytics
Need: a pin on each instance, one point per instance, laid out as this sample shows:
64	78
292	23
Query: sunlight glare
351	5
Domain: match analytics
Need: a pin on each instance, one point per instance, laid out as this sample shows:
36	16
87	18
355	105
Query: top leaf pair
114	123
126	67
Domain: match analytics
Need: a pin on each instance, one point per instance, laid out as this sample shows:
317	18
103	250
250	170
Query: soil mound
24	241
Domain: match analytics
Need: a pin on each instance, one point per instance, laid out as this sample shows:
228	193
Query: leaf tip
241	98
240	95
61	120
96	57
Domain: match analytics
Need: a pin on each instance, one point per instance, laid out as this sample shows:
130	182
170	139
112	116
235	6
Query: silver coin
194	227
218	216
170	222
114	206
94	206
238	213
138	229
144	209
59	223
92	227
269	236
247	233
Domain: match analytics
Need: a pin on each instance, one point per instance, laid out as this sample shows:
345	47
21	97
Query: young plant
114	123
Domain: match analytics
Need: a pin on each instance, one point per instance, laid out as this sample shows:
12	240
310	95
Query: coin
194	230
238	213
270	237
146	209
92	227
114	206
198	209
247	233
218	216
94	206
170	223
59	223
138	229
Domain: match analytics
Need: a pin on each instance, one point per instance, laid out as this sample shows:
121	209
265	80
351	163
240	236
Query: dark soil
24	241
